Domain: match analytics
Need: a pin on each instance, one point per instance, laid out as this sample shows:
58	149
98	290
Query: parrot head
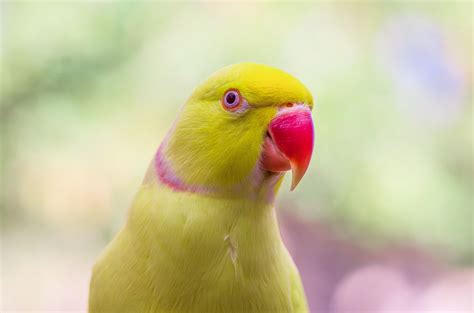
239	131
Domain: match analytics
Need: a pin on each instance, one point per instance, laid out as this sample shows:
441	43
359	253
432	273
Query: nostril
290	106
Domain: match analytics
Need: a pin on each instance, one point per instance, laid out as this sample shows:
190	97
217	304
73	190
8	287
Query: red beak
289	143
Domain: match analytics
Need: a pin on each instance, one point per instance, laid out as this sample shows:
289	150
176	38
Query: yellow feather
188	253
210	252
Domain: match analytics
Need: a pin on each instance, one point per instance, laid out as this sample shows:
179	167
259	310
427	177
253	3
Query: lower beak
289	143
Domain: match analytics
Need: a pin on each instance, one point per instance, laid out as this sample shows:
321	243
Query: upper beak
291	142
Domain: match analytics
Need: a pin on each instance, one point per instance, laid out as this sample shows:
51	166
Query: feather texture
191	253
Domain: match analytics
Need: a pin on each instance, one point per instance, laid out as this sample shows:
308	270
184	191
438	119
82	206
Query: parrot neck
221	249
259	185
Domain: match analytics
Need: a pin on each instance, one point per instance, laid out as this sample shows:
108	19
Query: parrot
202	232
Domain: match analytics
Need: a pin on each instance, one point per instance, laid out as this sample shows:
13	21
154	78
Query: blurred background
381	222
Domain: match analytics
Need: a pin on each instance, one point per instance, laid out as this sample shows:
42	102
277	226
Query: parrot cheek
289	143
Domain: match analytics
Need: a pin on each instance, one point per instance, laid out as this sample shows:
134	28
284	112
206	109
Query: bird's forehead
260	85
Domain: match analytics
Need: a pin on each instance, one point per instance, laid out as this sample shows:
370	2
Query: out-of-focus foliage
88	91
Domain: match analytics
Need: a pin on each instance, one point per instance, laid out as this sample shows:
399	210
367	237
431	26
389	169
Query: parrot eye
232	100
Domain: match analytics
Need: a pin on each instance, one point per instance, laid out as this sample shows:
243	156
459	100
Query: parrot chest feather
186	253
232	249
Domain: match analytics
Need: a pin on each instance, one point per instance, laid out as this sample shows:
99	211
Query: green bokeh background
88	90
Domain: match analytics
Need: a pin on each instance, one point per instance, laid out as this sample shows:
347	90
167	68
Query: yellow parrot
202	234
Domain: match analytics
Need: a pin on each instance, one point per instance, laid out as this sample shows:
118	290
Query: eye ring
232	100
